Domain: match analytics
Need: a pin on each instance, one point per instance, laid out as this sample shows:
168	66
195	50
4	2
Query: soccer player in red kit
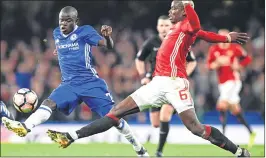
169	85
227	59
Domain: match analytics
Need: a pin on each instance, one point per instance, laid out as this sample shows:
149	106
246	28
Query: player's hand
106	30
188	2
223	60
55	52
145	81
240	38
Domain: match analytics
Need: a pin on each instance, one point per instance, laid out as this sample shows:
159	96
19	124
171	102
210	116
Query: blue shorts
95	94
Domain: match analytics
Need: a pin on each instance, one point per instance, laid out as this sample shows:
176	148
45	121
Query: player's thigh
166	113
148	95
155	116
234	97
222	105
225	90
190	120
99	100
235	109
102	110
65	98
180	97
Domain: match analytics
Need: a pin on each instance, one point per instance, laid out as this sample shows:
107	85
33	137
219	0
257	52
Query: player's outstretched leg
222	107
126	131
126	107
165	116
236	111
210	133
41	115
4	112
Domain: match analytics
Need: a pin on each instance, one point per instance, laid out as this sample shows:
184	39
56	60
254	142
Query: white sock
41	115
238	152
73	135
124	129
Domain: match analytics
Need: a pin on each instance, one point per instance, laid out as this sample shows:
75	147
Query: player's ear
77	21
184	12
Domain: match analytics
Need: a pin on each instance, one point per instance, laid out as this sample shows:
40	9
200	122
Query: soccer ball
25	100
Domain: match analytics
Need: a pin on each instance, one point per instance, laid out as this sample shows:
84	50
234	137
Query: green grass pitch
103	149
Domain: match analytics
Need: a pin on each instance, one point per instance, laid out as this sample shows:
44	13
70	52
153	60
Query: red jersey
226	73
171	56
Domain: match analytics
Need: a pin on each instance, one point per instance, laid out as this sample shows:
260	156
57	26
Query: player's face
163	26
66	23
176	13
223	32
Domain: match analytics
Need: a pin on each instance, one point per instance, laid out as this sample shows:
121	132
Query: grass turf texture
103	149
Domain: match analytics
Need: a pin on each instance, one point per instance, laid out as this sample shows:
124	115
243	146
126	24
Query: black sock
97	126
243	121
217	138
223	120
164	130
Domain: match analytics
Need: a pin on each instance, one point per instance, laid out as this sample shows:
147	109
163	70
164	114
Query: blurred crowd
32	65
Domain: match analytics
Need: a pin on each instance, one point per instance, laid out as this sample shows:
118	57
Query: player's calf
42	114
209	133
126	107
155	118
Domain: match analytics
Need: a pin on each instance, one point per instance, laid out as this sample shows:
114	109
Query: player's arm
244	59
141	57
216	38
192	17
93	38
107	41
191	63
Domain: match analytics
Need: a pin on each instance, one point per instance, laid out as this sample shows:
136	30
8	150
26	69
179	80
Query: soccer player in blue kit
80	82
4	112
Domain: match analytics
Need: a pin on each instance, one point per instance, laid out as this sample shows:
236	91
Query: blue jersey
80	82
74	53
4	112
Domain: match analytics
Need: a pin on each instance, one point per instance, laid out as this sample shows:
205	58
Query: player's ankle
73	135
238	151
27	126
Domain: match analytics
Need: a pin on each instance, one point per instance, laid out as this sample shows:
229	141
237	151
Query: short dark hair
163	17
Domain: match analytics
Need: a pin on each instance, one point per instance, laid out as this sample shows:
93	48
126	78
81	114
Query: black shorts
154	109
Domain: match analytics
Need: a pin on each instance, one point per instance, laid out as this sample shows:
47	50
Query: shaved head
69	11
68	18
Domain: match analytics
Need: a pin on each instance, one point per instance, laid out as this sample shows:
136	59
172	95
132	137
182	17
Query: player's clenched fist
188	2
106	30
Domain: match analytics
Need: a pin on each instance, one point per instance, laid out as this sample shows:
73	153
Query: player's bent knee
222	106
49	103
235	109
166	113
195	127
155	125
154	117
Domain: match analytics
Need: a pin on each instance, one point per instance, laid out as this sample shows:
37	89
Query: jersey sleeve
243	56
211	37
193	24
145	50
190	56
240	52
211	57
91	36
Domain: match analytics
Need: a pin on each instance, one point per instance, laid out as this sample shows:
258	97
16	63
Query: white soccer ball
25	100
